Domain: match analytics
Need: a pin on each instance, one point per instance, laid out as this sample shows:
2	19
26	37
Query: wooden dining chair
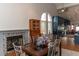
53	48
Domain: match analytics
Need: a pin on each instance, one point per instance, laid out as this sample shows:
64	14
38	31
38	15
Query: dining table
29	50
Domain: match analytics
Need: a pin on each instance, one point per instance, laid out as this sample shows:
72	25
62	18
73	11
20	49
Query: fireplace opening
14	39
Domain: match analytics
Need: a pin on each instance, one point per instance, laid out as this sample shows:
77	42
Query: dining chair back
18	50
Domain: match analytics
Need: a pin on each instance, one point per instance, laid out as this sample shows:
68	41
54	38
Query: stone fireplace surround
9	33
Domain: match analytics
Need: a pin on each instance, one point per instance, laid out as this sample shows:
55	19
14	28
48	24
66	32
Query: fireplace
14	39
13	36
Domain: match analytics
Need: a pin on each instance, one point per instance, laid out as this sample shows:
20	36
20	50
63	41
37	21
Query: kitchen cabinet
59	24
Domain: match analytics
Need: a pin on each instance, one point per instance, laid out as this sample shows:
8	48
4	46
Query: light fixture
62	10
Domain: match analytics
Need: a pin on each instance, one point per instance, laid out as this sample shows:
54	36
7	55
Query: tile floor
67	52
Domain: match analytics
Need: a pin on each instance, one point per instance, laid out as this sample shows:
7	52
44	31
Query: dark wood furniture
33	52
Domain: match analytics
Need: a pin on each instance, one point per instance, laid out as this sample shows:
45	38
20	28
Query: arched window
43	23
49	23
46	23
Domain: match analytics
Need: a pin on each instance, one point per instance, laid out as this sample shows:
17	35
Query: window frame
47	21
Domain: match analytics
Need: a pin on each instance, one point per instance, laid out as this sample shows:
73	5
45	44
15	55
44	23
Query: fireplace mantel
8	33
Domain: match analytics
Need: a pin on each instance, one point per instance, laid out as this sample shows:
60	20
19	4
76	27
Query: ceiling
63	5
72	12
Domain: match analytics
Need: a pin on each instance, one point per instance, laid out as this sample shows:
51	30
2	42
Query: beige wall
16	16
